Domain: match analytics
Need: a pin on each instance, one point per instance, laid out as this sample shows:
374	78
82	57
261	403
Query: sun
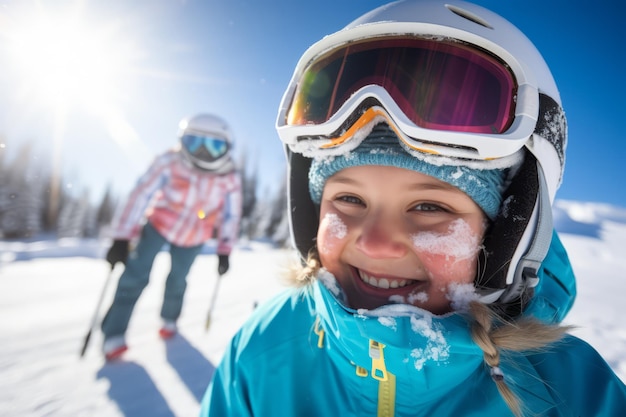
63	60
64	64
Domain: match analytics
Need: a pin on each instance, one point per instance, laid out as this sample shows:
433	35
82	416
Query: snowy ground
49	291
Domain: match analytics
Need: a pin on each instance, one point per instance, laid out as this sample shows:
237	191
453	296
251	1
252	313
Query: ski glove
118	252
223	265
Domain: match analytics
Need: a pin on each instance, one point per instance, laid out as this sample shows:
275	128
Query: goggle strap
552	125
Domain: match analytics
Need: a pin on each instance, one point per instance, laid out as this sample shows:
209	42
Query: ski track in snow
47	304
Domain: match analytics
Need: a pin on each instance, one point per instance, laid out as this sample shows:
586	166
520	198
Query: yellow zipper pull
319	332
379	370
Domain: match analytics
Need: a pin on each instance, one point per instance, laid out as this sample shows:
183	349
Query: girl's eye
350	199
428	207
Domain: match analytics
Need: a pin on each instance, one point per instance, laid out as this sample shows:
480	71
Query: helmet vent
468	15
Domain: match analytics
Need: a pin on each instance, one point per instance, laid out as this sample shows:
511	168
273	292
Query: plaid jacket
183	203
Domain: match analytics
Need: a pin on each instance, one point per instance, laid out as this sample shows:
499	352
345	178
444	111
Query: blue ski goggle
209	147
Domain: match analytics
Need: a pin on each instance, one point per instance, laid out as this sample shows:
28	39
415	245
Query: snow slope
50	288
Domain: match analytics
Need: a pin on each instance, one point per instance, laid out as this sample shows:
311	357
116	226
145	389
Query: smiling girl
405	236
425	144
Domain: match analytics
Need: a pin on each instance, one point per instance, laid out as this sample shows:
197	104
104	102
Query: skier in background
186	194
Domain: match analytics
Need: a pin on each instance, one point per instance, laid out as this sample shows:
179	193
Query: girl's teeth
383	283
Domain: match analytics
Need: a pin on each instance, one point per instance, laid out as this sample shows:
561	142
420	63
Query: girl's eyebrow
338	178
420	186
434	185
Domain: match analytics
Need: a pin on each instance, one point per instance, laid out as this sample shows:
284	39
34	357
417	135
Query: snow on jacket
306	354
183	203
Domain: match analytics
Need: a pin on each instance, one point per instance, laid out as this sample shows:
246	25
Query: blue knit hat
382	147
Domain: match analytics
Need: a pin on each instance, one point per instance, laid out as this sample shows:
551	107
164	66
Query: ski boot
168	330
114	347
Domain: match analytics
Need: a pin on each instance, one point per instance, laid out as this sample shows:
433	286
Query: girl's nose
382	238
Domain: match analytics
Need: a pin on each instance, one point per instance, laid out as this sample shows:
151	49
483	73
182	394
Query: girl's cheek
445	268
452	254
332	231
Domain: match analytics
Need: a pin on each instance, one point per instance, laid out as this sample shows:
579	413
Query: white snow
436	348
459	241
337	230
50	288
421	296
461	295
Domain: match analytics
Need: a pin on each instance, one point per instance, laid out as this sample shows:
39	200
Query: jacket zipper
386	380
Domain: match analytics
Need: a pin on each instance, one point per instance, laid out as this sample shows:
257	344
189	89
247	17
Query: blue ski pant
137	274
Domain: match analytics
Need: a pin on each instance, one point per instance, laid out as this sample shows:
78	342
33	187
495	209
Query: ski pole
96	313
213	298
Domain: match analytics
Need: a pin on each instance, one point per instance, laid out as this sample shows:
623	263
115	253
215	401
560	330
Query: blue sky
135	68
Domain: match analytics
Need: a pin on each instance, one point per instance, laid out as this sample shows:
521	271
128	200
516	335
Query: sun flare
72	77
66	63
63	60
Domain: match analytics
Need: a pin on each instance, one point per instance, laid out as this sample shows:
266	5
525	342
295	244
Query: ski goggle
207	148
439	96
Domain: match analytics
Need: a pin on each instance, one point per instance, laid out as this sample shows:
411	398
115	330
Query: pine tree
106	209
277	228
20	195
249	188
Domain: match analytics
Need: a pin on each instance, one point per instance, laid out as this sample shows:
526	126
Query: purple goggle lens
439	85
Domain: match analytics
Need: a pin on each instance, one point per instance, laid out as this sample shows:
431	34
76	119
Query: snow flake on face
413	298
335	226
461	295
335	230
420	297
459	242
436	348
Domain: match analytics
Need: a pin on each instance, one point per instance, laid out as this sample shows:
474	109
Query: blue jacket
305	354
556	291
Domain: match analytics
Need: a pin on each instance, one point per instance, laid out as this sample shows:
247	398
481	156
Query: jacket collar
432	351
432	354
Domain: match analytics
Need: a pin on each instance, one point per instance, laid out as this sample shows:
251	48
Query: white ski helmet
527	117
206	141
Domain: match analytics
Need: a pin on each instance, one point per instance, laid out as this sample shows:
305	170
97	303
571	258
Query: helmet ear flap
518	240
506	238
303	213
